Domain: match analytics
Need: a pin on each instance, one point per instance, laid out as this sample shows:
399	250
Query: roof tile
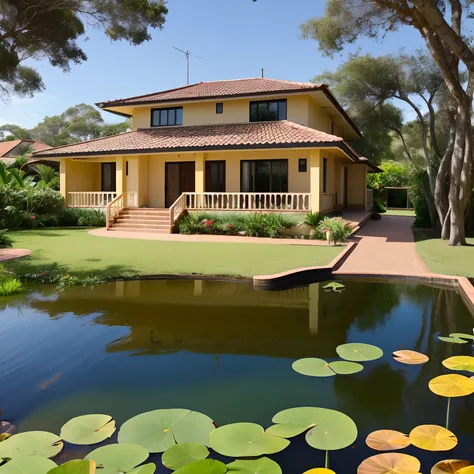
199	137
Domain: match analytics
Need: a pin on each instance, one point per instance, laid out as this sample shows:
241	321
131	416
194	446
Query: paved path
385	246
10	254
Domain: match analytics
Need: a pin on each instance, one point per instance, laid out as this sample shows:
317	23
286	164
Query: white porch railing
90	199
292	202
177	208
113	210
369	200
99	199
328	202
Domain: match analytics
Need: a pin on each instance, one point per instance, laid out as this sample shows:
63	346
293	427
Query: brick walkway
385	246
10	254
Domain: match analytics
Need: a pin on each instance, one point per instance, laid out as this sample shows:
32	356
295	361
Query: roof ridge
146	95
85	141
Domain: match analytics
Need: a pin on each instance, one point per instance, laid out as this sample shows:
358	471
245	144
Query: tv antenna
187	54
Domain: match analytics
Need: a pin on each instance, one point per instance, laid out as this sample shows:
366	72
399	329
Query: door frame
113	164
180	163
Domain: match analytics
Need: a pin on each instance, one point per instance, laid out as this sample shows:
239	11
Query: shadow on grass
33	266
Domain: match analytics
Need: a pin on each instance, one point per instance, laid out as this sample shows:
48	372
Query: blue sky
233	39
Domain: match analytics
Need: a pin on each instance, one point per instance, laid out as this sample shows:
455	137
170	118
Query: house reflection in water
206	316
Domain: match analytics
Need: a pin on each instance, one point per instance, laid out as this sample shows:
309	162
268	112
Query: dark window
108	176
126	168
163	117
325	174
219	108
215	176
264	176
302	165
268	110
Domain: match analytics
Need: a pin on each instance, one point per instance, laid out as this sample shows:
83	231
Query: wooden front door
345	187
108	176
179	178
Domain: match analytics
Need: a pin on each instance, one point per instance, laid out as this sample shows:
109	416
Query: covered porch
280	180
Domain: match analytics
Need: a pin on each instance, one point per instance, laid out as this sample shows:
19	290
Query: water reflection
226	350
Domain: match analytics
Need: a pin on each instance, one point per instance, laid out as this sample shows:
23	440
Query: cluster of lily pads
184	437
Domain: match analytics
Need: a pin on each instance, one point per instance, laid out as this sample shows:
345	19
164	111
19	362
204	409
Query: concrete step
144	213
146	218
148	231
128	225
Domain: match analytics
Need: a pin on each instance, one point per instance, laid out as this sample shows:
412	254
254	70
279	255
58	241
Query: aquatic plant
359	352
263	465
182	454
432	438
387	440
11	286
390	463
320	368
88	429
410	357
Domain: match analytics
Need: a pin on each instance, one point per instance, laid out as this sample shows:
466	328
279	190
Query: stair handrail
177	208
113	209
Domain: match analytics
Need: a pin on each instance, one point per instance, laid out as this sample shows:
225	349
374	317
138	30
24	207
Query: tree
78	123
441	24
371	87
49	29
49	178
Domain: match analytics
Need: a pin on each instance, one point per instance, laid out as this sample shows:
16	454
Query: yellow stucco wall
79	176
235	111
357	184
318	118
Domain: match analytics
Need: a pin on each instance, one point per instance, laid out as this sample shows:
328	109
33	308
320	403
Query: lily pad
203	466
24	464
449	466
182	454
328	429
452	385
319	470
75	467
320	368
459	363
38	443
88	429
433	438
245	440
462	335
334	286
390	463
410	357
149	468
359	352
158	430
387	440
115	458
452	340
255	466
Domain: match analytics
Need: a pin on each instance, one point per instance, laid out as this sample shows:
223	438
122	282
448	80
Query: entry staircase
143	219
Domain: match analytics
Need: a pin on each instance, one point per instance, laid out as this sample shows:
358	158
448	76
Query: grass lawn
76	252
395	212
441	258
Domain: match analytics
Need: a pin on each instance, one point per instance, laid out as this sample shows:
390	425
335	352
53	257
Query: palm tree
48	176
15	178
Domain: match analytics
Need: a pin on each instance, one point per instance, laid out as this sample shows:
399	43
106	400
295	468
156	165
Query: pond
226	350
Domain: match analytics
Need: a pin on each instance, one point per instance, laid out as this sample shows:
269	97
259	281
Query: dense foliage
78	123
50	29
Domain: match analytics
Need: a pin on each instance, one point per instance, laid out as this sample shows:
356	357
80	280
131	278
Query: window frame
325	175
160	110
219	108
302	165
270	161
268	102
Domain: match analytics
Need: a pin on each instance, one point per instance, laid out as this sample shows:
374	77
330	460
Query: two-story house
246	144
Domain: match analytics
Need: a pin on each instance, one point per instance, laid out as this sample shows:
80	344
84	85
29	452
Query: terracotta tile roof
199	137
6	147
229	88
40	146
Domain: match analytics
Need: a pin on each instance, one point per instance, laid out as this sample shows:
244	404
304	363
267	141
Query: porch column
199	172
315	178
62	179
120	183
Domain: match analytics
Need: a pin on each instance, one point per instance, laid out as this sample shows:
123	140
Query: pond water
226	350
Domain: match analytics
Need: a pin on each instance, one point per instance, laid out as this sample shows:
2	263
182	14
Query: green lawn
77	253
394	212
441	258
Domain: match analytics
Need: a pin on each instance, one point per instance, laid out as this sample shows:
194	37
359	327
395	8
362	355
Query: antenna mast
187	54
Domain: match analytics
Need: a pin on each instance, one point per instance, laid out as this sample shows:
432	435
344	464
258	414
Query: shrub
10	287
336	229
417	197
82	217
5	240
313	219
